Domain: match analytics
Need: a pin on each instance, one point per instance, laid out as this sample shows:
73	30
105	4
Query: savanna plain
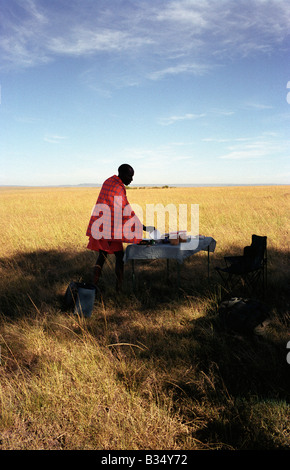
154	367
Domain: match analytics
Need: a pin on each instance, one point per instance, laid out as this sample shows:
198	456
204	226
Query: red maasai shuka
109	224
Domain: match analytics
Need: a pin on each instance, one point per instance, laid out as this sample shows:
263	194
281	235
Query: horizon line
141	185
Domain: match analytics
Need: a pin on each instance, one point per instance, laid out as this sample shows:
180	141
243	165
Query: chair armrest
232	259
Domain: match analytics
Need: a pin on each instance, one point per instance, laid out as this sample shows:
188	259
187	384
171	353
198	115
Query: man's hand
149	228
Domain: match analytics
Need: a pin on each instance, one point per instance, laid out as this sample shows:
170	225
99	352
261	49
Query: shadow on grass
38	278
41	277
192	357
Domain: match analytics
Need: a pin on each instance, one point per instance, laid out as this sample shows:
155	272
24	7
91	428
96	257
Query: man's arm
125	202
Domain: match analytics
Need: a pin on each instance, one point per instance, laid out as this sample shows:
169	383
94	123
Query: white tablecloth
168	251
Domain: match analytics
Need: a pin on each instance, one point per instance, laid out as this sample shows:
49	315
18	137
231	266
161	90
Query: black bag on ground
80	297
243	315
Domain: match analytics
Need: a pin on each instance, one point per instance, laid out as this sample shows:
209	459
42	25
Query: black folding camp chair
250	269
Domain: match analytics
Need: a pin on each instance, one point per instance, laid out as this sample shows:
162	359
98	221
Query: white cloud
221	112
192	69
182	36
263	147
186	12
54	139
157	156
227	27
215	139
258	106
82	42
244	154
186	117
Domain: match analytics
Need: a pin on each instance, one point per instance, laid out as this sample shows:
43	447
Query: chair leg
224	278
229	280
255	281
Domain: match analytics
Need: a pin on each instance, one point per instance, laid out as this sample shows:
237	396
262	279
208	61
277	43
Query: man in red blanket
113	222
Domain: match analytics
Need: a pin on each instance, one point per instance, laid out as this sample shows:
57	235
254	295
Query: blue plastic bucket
80	297
85	300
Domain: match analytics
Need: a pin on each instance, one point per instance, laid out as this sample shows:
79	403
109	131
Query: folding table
167	251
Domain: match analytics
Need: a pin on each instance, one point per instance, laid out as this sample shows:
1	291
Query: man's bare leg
99	266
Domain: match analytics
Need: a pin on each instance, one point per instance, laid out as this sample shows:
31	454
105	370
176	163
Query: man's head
126	173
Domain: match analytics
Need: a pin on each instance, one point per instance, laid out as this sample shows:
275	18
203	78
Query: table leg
133	274
208	262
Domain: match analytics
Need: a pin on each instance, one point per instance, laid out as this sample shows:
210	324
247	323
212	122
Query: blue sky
187	91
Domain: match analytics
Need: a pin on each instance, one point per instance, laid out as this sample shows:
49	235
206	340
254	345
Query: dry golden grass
151	369
53	218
